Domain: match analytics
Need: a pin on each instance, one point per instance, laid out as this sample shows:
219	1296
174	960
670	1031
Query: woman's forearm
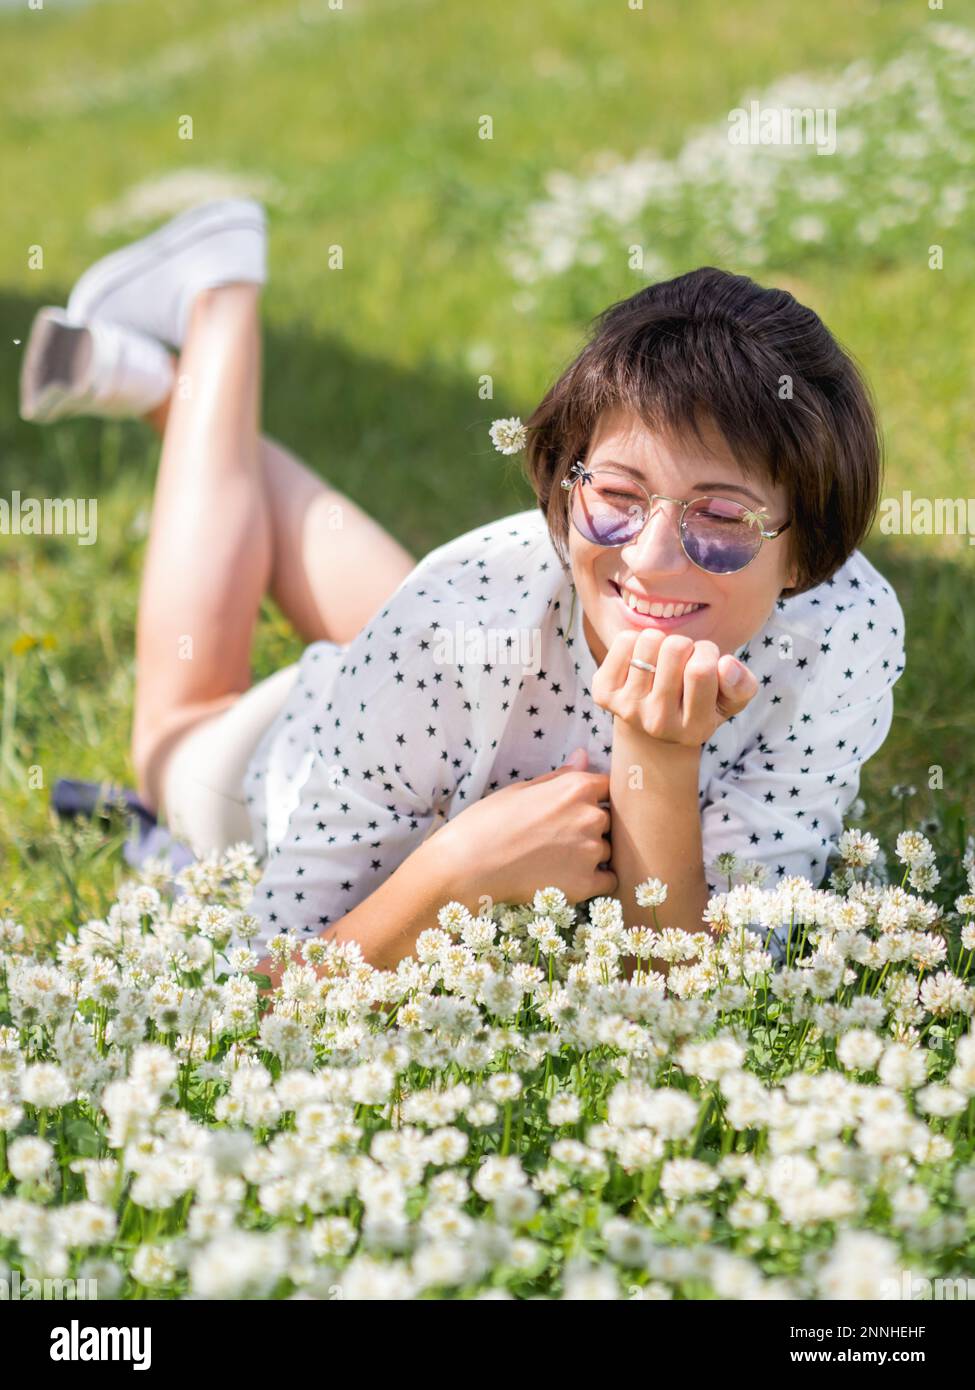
388	922
656	826
655	832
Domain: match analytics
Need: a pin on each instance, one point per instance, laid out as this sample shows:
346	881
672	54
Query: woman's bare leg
208	560
332	565
230	523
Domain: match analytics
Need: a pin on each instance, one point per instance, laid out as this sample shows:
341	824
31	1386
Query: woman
679	655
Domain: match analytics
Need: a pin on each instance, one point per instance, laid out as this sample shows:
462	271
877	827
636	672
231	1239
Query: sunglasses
716	534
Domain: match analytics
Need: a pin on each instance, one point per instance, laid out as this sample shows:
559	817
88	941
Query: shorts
204	804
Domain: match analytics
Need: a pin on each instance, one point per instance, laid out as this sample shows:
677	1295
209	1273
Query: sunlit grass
366	119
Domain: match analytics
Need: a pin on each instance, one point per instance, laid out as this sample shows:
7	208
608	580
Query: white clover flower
745	1212
504	1086
502	995
825	976
942	1101
216	923
550	902
101	1276
651	892
85	1223
564	1110
606	915
332	1235
481	1113
859	1049
589	1283
858	848
686	1177
924	877
238	1264
861	1265
754	872
902	1068
913	848
440	1263
11	933
945	993
964	1185
153	1067
695	1220
962	1075
509	435
517	1206
29	1157
10	1116
444	1220
627	1242
711	1060
45	1086
154	1265
498	1174
676	945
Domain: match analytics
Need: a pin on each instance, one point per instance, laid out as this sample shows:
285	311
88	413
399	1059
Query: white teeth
657	610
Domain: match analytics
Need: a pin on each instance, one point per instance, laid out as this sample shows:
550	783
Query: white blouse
477	673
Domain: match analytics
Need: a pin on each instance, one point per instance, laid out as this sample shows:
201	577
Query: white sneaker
90	369
151	284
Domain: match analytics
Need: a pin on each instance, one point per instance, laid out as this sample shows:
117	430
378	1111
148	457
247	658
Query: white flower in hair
509	435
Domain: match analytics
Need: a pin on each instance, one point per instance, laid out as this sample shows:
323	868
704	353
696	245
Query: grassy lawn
362	123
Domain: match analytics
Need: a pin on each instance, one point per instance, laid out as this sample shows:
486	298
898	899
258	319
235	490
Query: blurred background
495	175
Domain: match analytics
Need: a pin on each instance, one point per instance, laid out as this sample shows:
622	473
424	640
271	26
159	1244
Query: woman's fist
693	690
551	830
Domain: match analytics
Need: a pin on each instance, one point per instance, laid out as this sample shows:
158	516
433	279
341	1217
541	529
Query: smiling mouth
645	613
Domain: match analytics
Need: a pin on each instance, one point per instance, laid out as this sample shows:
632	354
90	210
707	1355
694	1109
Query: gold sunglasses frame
579	473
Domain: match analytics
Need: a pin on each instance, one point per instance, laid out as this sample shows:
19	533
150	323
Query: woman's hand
693	690
546	831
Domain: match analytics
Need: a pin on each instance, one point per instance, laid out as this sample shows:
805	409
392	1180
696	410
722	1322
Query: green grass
366	119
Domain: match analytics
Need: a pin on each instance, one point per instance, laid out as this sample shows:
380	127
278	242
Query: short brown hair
711	345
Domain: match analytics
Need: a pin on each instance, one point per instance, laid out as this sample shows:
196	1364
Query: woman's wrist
447	860
635	746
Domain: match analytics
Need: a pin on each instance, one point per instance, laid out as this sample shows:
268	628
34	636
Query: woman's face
653	567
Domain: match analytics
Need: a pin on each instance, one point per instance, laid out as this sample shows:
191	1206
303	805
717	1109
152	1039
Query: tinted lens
609	510
719	536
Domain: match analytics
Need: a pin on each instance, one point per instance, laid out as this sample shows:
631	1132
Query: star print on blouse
382	739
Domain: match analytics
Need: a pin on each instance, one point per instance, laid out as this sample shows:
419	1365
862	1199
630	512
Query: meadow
373	371
465	257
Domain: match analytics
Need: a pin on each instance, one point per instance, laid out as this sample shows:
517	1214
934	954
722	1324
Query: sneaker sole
58	354
129	262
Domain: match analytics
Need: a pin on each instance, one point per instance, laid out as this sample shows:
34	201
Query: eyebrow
635	472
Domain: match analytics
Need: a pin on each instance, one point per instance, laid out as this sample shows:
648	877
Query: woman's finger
701	686
615	667
737	685
646	648
668	681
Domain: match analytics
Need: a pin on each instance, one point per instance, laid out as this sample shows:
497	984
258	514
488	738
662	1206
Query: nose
657	549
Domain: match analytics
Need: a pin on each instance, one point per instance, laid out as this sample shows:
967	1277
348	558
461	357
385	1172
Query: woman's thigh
202	782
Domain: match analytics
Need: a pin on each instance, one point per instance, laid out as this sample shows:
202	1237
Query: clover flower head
509	435
913	848
651	892
858	848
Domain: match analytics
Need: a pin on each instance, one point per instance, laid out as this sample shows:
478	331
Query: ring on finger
643	665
